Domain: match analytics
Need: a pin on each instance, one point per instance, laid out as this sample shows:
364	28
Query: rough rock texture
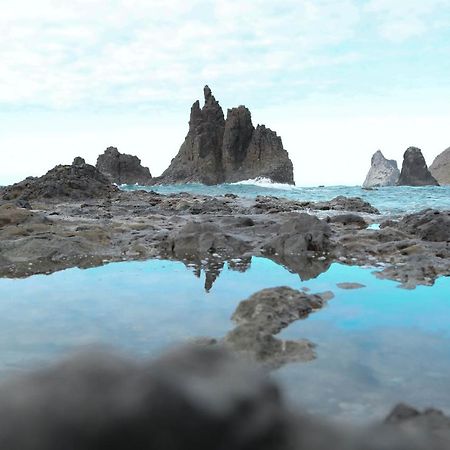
264	315
78	161
75	182
440	169
121	168
428	225
382	172
341	203
216	150
414	170
192	399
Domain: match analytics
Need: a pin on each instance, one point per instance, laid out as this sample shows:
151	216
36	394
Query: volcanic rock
414	170
78	161
383	172
440	169
216	150
121	168
74	182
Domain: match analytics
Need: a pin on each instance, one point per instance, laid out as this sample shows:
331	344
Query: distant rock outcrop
216	150
75	182
121	168
440	169
383	172
414	170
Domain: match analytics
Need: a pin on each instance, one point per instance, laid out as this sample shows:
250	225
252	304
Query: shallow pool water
375	346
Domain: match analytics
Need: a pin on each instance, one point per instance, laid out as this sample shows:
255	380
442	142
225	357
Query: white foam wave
266	183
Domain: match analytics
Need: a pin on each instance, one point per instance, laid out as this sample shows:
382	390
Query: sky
336	79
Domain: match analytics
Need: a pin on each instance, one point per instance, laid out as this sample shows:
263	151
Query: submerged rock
75	182
414	170
121	168
440	169
216	150
264	315
383	172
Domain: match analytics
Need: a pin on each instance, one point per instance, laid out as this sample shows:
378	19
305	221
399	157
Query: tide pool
375	346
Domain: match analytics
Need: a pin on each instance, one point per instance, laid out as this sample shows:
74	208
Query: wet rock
341	203
62	182
216	150
197	239
414	170
264	315
428	225
121	168
300	233
349	220
383	172
440	169
348	286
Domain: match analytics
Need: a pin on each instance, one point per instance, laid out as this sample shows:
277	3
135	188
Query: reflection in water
375	346
304	265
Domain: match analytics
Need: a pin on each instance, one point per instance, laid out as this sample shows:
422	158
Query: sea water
389	200
375	346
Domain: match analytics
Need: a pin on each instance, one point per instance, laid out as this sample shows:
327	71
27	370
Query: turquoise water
389	200
375	346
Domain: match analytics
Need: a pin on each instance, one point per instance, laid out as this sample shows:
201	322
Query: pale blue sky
337	79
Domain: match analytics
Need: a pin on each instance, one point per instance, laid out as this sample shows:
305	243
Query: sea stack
414	170
217	151
382	172
440	169
121	168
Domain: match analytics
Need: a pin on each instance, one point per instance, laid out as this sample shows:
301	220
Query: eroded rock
414	170
382	172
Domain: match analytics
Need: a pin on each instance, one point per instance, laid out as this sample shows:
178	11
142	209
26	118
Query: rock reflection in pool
375	346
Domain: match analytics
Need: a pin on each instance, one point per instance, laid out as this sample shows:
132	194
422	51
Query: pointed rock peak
207	92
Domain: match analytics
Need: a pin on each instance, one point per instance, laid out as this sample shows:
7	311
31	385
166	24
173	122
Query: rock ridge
218	150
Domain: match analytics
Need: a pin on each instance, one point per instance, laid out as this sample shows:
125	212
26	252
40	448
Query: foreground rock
382	172
216	150
75	182
121	168
414	170
191	399
440	169
264	315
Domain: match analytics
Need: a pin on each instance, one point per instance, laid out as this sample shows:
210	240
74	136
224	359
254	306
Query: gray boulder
440	169
382	172
414	170
217	151
121	168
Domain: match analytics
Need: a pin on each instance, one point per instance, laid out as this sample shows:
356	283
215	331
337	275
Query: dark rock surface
414	170
428	225
121	168
216	150
382	172
440	169
264	315
341	203
75	182
196	398
78	161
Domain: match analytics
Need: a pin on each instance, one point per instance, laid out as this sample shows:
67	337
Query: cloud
58	54
400	20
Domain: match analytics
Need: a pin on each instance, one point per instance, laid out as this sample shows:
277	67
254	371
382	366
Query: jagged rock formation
216	150
73	182
382	172
121	168
440	169
78	161
414	170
